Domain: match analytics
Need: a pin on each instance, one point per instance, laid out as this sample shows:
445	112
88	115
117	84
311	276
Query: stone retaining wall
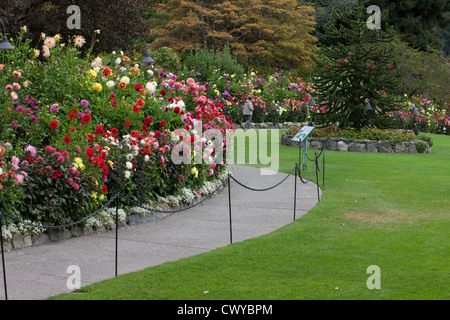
19	241
341	144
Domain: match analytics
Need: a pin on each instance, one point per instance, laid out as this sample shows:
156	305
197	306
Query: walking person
248	112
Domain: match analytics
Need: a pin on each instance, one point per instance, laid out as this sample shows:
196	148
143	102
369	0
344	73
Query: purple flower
84	103
30	150
54	108
14	124
24	164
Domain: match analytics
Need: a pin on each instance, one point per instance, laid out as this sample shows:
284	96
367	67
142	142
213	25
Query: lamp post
5	45
147	59
311	103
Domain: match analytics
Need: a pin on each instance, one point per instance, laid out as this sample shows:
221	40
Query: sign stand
301	137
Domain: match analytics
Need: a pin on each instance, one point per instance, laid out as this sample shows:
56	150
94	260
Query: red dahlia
89	152
53	124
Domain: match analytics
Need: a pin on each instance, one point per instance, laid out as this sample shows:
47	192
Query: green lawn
389	210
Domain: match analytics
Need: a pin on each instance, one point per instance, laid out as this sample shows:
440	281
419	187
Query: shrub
426	139
209	63
166	59
420	146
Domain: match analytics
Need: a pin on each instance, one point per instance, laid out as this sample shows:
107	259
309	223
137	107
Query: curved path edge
39	272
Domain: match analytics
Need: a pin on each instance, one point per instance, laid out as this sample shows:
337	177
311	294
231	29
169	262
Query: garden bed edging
343	144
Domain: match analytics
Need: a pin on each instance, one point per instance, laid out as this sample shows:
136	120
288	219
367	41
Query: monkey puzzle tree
354	78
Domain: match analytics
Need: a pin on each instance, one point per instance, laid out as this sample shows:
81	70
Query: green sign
303	134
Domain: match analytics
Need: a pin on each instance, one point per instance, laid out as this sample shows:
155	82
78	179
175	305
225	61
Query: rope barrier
110	201
310	174
264	189
149	209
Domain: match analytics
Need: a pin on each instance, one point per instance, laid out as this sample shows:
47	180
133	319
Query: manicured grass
389	210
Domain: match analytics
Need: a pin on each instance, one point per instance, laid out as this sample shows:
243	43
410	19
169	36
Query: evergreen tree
354	73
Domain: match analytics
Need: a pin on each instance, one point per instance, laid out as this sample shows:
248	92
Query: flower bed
75	131
283	97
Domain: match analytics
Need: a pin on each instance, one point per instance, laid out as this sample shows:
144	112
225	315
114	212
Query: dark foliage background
119	21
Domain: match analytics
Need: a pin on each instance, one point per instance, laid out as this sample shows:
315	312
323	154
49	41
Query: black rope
321	151
310	174
108	203
264	189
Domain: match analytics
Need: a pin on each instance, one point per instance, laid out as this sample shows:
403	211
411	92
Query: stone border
20	241
342	144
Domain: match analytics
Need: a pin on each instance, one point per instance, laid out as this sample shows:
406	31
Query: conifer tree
354	80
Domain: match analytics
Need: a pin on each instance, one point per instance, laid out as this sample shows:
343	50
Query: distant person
248	112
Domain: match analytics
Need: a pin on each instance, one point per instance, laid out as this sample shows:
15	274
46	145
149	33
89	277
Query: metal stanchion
229	208
117	238
295	189
317	176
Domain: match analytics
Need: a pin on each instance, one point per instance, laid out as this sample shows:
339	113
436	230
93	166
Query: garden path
42	271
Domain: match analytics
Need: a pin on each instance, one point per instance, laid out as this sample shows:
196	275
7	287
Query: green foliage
421	146
166	59
418	21
424	73
364	134
209	62
426	138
